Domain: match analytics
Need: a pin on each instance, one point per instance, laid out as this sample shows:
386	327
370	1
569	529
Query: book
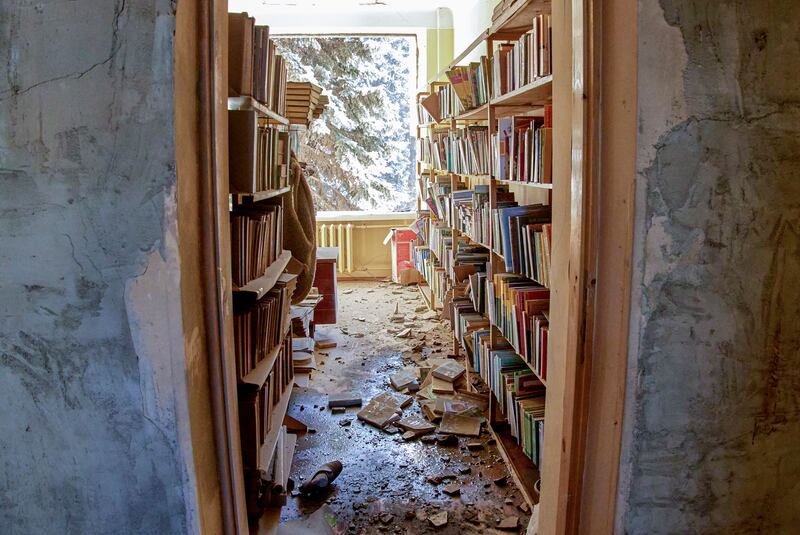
258	154
256	241
240	54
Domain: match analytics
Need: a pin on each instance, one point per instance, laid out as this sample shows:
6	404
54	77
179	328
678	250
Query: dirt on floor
389	485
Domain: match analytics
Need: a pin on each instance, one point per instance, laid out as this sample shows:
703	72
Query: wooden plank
255	289
537	93
259	195
614	212
249	103
477	114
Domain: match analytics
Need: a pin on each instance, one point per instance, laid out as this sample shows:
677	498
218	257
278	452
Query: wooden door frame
213	123
596	105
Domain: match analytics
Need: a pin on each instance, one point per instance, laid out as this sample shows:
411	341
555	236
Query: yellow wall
440	51
370	257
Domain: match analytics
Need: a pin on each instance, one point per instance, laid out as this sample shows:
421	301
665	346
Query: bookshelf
259	151
514	410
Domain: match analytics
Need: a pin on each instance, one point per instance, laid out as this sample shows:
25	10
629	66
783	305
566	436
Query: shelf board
481	113
256	288
260	195
537	93
278	413
250	104
517	20
425	296
526	184
522	469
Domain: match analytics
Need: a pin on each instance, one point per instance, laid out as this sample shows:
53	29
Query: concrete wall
94	434
713	409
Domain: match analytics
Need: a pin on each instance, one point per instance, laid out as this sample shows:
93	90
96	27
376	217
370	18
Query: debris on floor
420	458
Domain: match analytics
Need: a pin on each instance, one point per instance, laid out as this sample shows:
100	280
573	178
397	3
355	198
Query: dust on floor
386	486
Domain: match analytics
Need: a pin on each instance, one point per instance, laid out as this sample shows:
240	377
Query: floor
385	486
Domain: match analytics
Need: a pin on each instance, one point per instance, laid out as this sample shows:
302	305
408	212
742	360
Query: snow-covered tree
361	149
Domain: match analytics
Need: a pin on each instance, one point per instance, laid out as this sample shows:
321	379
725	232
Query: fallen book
403	379
458	424
344	399
449	371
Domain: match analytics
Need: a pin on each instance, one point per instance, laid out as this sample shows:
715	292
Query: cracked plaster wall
93	430
713	408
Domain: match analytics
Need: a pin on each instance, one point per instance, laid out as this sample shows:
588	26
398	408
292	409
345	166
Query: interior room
399	266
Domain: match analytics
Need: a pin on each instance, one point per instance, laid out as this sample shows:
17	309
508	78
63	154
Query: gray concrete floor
383	487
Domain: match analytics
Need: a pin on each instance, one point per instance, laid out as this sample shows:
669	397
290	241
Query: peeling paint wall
94	428
713	409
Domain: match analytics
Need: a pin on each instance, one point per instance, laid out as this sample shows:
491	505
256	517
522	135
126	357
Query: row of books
259	329
434	274
256	406
256	240
466	320
522	148
525	60
522	237
438	190
519	393
449	105
520	309
258	154
472	83
254	67
423	115
461	150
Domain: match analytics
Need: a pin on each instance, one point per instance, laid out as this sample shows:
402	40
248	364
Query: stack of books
462	150
260	328
424	116
258	154
256	406
519	393
449	104
529	58
254	68
256	241
516	239
304	102
522	148
472	83
467	320
519	308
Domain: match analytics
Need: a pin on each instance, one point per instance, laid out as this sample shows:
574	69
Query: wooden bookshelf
251	104
528	100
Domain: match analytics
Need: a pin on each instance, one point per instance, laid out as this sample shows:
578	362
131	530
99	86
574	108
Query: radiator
338	235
